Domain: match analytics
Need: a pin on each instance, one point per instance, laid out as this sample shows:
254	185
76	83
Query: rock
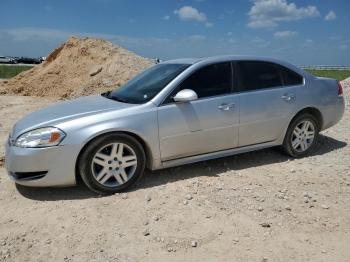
155	218
185	202
148	198
146	232
265	224
292	171
145	223
95	70
194	243
325	206
188	197
288	208
125	196
307	195
235	240
219	188
260	209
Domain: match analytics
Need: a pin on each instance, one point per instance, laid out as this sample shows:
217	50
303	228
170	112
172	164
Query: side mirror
185	95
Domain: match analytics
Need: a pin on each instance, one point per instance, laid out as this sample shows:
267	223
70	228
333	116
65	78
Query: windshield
146	85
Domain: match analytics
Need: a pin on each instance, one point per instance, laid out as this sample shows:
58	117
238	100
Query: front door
205	125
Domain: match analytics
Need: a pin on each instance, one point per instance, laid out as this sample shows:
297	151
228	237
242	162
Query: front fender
143	125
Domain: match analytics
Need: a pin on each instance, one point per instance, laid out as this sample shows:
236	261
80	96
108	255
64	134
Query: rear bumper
42	167
334	113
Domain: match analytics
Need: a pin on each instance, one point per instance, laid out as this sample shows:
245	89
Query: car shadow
56	193
211	168
232	163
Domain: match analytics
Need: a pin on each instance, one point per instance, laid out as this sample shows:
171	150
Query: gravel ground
259	206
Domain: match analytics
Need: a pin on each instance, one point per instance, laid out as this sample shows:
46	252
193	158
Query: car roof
224	58
221	58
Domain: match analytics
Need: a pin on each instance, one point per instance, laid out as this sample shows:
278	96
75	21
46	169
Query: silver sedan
174	113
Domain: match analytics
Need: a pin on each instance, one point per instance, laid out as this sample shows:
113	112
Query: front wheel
112	163
302	136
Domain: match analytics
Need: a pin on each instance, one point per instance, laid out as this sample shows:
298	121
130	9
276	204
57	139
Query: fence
325	67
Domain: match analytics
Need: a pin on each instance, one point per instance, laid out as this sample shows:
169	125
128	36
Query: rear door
266	103
205	125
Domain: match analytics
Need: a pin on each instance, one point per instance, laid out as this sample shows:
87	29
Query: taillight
340	89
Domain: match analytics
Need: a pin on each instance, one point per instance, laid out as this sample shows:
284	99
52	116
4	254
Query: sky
304	32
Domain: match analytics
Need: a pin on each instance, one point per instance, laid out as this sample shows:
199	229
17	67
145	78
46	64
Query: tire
101	163
302	150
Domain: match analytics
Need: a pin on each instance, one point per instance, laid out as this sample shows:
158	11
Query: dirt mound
80	66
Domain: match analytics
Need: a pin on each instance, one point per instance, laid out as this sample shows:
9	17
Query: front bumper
42	167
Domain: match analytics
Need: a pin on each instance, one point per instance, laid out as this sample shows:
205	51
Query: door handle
226	107
288	97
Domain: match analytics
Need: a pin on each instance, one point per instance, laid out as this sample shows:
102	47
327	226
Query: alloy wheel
303	136
114	164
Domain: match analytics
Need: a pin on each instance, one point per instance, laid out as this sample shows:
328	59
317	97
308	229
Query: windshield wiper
106	94
119	99
109	95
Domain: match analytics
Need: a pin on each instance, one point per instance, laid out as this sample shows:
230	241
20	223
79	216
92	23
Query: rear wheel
302	136
112	163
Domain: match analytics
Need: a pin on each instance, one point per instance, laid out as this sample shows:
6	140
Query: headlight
42	137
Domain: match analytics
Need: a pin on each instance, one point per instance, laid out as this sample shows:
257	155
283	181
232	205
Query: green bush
336	74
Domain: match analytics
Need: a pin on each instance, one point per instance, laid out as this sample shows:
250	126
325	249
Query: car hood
66	111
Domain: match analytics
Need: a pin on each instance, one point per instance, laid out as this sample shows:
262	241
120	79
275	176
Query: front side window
254	75
148	84
208	81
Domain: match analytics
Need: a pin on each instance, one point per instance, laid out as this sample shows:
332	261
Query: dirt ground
259	206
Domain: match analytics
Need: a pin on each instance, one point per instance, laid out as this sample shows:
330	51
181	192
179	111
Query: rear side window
290	78
210	80
255	75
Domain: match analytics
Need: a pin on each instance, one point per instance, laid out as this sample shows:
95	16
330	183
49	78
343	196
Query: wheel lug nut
115	159
109	162
110	168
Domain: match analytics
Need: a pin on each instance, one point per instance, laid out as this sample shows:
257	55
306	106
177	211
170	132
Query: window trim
278	68
239	77
284	67
202	98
